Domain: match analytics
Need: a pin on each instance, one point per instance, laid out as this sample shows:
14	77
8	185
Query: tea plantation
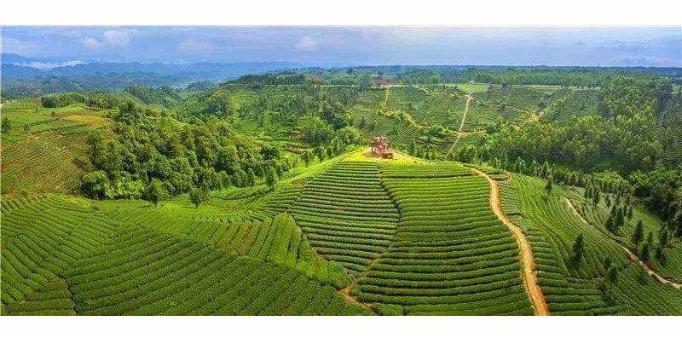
348	236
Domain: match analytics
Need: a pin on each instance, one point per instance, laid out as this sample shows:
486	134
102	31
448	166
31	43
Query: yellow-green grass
66	120
42	163
473	88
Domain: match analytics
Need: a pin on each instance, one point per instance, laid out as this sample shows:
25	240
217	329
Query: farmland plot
451	254
40	240
144	272
276	239
552	227
347	215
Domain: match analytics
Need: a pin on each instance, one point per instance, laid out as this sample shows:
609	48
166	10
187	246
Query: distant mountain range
20	67
27	77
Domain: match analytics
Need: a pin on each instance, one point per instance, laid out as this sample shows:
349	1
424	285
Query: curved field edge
62	257
441	262
552	227
528	268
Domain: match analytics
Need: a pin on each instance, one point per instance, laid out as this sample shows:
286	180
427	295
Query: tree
596	198
663	236
620	217
644	253
610	224
197	196
6	125
638	234
307	156
548	186
94	184
271	177
660	254
612	275
320	152
577	251
250	177
155	191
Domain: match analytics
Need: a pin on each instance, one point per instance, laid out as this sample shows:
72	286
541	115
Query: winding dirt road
528	275
461	125
631	255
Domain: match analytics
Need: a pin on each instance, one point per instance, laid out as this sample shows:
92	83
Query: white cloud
49	66
307	43
91	43
629	61
12	45
192	45
117	38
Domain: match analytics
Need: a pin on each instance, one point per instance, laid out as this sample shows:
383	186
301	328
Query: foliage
179	155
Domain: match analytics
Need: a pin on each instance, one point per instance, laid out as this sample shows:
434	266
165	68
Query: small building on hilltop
380	148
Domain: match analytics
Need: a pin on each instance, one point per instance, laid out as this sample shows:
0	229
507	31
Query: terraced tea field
42	163
347	236
552	226
451	255
347	214
62	256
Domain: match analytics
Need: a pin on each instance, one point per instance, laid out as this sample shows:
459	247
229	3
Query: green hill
387	237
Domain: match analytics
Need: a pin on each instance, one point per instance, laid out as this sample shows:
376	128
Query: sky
341	45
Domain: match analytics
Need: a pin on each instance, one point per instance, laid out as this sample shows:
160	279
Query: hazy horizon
340	46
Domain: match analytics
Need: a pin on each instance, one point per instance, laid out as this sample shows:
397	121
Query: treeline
35	87
584	77
580	77
630	138
163	96
632	96
658	190
102	100
153	156
420	76
626	136
309	113
287	78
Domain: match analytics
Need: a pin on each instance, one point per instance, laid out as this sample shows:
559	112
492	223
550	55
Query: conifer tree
638	234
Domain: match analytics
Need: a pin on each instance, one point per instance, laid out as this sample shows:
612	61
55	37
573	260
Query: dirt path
422	89
528	275
346	291
631	255
461	125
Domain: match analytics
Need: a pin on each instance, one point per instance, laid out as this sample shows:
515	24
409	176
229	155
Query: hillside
67	255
